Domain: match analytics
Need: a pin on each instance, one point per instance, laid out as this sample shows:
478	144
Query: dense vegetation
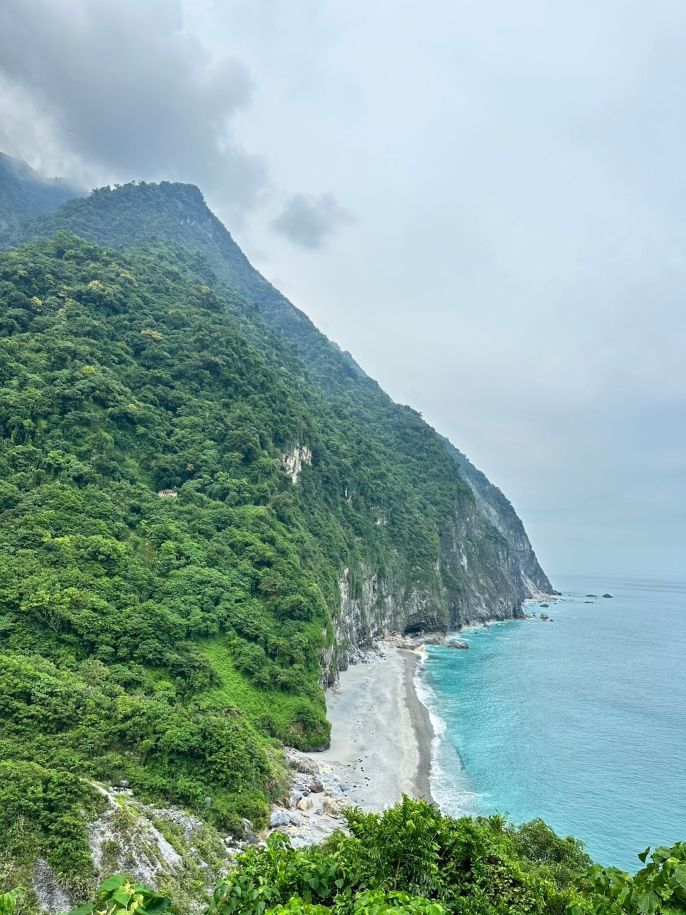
172	642
175	642
413	861
380	433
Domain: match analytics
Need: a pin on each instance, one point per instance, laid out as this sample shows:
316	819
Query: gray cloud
309	220
120	90
517	265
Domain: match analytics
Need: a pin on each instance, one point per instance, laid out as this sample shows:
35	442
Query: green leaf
82	909
112	884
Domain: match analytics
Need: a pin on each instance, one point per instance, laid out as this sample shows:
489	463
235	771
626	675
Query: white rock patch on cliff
51	896
294	461
132	841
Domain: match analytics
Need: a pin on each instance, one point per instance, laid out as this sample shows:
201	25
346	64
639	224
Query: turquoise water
581	721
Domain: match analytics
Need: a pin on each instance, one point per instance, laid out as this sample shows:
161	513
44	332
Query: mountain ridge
25	194
178	212
206	511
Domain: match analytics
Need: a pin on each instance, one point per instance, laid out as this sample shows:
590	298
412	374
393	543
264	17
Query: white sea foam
449	782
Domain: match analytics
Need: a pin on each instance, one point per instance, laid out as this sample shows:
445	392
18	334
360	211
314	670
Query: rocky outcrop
316	803
51	896
471	582
527	574
293	461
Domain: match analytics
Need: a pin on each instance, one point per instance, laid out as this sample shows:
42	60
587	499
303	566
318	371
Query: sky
483	201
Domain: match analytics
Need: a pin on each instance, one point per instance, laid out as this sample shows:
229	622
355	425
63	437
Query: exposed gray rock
52	897
122	839
249	833
279	818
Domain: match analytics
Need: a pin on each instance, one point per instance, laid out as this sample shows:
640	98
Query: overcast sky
484	201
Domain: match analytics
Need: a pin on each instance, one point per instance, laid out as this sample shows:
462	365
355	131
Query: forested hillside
200	515
132	213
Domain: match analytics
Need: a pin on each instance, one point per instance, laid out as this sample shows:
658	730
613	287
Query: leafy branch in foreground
118	896
659	887
412	860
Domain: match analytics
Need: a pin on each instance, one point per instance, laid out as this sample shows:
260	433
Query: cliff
525	569
484	565
176	643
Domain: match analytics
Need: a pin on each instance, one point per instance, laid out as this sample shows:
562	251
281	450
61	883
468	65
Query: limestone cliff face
524	569
476	578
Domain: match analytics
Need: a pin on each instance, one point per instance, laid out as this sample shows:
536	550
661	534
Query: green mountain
205	506
24	194
177	213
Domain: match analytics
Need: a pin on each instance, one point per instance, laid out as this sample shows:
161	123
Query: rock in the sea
458	643
544	605
591	595
607	595
544	616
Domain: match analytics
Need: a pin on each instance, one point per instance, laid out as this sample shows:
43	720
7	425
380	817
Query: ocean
580	721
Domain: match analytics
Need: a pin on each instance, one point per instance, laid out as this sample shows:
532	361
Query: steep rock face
525	570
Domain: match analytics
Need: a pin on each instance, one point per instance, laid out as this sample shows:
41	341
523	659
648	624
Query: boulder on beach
331	807
607	595
279	818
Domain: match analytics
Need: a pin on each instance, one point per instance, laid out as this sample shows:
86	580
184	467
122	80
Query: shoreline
382	741
381	748
381	731
423	728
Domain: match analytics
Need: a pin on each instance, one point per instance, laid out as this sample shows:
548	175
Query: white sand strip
381	733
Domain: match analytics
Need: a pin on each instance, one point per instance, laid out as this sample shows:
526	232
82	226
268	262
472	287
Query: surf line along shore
381	732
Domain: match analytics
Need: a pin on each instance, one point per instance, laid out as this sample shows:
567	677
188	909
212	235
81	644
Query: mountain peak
26	194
